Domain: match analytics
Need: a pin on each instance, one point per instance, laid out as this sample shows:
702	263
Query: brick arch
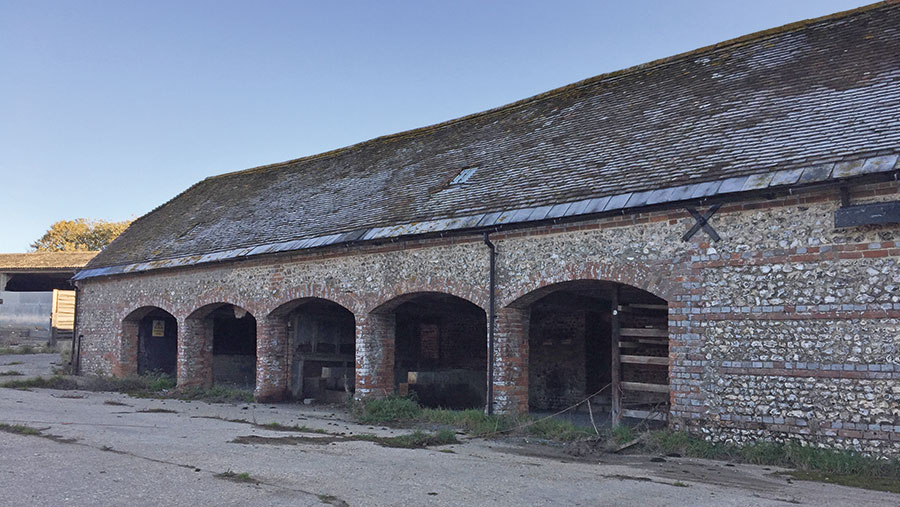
477	295
274	347
350	302
148	302
207	303
656	280
126	360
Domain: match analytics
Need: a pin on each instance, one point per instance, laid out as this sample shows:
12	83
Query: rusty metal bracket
702	222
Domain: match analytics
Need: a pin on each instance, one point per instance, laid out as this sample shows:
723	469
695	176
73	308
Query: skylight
463	176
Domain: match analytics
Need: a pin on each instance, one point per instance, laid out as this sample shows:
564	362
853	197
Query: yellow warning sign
159	328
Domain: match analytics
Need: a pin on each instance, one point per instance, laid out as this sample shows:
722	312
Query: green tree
79	235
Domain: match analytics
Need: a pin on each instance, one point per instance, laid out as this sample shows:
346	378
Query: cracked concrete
124	456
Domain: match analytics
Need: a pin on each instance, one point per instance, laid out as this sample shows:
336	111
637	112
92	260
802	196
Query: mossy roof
815	91
44	261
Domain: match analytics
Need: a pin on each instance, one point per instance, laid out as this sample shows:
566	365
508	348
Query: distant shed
37	298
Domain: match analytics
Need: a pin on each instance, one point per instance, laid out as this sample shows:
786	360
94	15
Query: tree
79	235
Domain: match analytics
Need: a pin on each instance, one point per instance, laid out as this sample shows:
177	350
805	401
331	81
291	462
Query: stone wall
787	328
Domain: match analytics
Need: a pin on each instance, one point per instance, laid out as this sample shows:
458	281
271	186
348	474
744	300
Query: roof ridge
659	62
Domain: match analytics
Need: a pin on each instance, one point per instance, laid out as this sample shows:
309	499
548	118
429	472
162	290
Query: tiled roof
44	261
810	93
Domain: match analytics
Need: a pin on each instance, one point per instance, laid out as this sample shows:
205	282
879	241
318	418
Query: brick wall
787	328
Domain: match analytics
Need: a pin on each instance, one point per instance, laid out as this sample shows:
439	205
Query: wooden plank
629	345
642	386
659	361
54	305
615	364
644	414
640	331
654	341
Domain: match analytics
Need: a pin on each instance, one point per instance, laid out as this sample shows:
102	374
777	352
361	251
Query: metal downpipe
492	289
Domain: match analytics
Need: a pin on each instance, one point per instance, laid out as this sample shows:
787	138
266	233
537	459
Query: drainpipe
493	284
75	356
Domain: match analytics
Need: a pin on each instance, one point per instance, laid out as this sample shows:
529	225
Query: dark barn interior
441	351
234	346
157	343
38	282
571	333
323	351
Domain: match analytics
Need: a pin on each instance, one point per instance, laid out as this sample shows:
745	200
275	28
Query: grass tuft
20	429
275	426
623	434
11	373
214	394
415	440
810	463
243	477
389	409
152	385
557	429
400	409
55	382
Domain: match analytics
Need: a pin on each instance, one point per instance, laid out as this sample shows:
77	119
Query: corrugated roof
763	110
45	261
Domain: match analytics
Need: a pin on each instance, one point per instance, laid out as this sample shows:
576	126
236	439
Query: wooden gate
62	315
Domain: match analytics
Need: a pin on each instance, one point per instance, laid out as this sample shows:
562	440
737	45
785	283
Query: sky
110	108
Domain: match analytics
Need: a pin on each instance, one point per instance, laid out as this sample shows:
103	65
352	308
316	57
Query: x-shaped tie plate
702	223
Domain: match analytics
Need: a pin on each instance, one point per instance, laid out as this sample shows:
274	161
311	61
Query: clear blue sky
110	108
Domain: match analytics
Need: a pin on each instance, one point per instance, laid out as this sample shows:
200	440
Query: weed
390	409
153	385
811	463
890	484
415	440
14	363
332	500
678	442
157	411
474	422
55	382
556	429
11	373
623	434
214	394
237	477
275	426
116	403
20	429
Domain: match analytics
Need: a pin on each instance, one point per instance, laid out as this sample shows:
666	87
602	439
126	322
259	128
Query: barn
710	241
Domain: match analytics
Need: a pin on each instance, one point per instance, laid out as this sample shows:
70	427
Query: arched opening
440	349
225	343
153	333
321	349
587	337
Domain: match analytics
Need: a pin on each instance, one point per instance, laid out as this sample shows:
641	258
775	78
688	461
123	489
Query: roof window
463	176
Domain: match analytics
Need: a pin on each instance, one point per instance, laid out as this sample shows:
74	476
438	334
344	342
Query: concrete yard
27	366
122	456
